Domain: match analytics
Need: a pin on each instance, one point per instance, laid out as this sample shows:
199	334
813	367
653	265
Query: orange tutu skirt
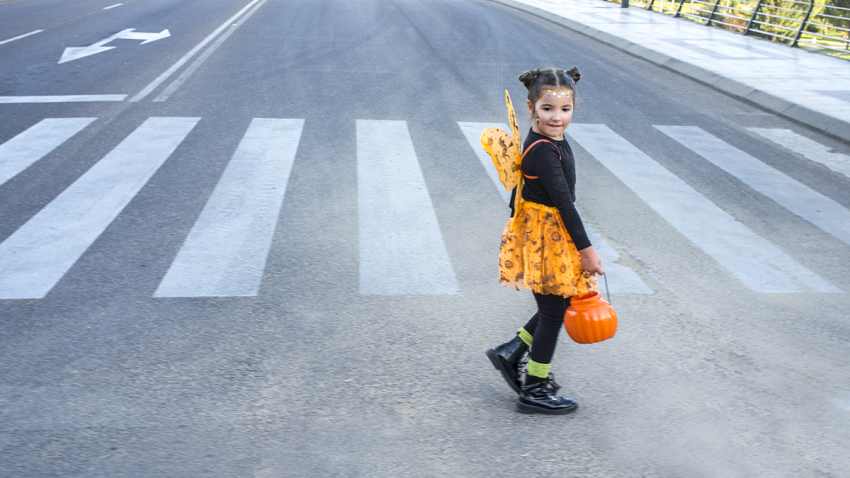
539	254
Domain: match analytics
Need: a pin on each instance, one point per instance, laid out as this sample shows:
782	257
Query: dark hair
536	80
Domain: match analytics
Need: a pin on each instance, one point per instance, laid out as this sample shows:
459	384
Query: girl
545	248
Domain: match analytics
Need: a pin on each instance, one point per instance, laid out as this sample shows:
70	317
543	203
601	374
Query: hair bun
529	77
574	74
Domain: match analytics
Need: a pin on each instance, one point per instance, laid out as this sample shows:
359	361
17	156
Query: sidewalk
806	87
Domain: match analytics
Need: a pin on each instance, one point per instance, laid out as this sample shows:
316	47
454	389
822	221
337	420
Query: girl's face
554	111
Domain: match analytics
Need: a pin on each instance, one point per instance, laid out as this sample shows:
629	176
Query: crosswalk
401	245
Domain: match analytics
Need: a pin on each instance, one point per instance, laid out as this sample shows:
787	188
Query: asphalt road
708	376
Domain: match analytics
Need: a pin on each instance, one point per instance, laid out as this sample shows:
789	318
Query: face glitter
563	94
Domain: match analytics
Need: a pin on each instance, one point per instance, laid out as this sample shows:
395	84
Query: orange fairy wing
517	162
503	151
503	148
512	120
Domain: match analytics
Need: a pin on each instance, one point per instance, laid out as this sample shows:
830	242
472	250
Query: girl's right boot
506	359
540	395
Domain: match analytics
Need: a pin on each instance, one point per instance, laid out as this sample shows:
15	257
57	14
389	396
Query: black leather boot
541	396
508	359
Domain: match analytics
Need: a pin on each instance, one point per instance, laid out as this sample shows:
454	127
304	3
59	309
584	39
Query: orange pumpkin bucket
590	319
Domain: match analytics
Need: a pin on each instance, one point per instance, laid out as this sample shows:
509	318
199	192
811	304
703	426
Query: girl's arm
548	168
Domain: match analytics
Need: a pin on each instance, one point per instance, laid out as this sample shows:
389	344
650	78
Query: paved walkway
807	87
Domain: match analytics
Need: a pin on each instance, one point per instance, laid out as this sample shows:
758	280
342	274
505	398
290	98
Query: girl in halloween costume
544	246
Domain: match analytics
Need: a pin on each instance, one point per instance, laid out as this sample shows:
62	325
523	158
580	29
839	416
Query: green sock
539	370
525	336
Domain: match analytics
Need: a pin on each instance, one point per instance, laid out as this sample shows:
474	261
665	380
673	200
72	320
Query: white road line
809	149
36	142
188	56
203	57
225	253
401	247
113	6
36	256
789	193
10	40
841	400
61	99
749	257
621	279
472	132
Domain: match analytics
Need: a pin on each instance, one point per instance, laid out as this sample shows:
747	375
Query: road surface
265	244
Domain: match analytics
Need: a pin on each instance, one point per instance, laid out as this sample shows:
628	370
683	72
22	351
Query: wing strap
529	149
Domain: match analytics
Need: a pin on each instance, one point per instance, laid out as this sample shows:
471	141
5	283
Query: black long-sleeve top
555	185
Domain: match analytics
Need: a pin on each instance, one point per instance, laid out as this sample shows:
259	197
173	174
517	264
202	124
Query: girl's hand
590	261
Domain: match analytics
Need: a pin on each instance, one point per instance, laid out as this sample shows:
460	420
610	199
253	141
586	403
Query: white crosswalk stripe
621	279
23	150
809	149
472	132
798	198
401	246
749	257
226	251
36	256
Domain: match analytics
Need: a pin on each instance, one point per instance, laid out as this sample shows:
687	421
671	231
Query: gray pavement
707	376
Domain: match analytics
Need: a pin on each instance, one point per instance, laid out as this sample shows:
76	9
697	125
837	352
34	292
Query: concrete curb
832	126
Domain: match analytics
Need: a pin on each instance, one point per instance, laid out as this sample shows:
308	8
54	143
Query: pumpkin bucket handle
607	290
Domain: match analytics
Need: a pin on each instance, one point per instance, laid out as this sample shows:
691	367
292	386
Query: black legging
545	325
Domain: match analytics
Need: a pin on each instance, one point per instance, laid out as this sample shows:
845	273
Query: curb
832	126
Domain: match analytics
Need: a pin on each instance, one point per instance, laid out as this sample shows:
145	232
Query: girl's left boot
506	359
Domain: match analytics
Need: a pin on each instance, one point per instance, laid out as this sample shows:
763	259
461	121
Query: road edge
827	124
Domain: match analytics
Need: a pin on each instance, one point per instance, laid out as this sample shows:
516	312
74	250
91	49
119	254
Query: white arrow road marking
147	37
74	53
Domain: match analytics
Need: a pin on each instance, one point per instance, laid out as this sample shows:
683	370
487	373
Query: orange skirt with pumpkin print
539	255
